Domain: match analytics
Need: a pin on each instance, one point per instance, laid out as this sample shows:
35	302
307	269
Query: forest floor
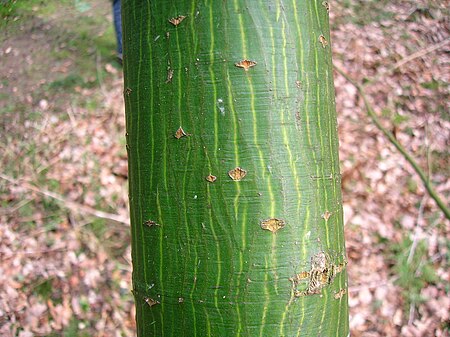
64	251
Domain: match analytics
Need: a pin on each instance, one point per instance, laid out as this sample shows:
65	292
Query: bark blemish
169	75
211	178
237	174
273	224
340	293
177	20
150	301
180	133
325	177
245	64
323	41
323	272
221	106
150	223
326	215
326	5
298	120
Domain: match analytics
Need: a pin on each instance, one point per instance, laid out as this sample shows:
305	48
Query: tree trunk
235	198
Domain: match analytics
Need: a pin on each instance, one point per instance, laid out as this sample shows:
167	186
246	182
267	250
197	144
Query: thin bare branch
407	59
72	205
426	182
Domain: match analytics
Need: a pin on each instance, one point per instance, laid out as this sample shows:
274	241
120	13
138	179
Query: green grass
82	37
68	82
369	11
85	40
78	45
44	289
13	11
74	330
7	10
415	274
366	12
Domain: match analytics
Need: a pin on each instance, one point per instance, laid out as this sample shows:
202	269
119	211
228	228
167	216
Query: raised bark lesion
210	178
322	273
177	20
273	224
180	133
245	64
237	173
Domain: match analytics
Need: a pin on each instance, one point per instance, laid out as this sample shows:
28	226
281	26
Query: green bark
259	256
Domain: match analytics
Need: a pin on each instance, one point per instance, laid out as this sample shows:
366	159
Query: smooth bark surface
235	194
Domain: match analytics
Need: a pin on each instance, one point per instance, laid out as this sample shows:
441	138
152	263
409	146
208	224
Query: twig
373	285
71	114
412	311
52	162
427	147
74	206
12	209
407	59
415	242
426	183
418	54
34	253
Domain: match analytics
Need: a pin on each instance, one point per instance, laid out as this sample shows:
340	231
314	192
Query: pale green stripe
287	143
302	319
191	294
302	66
317	45
196	260
238	188
266	296
325	306
139	201
219	258
216	146
150	64
266	290
319	124
212	75
236	200
262	164
161	264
